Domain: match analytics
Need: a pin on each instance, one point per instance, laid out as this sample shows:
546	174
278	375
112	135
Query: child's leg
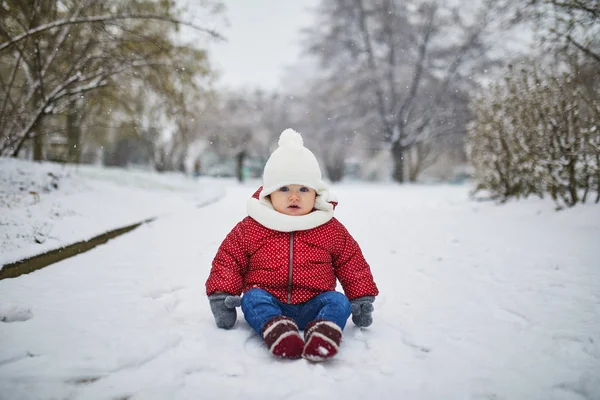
327	314
264	313
259	306
331	306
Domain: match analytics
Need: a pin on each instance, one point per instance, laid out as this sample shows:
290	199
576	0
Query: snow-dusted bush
538	133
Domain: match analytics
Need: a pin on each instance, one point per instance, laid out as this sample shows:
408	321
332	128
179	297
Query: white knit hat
291	163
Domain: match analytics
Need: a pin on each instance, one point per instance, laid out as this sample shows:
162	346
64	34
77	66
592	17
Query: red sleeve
351	268
229	264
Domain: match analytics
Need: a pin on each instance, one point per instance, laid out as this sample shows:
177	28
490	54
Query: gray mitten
223	308
362	310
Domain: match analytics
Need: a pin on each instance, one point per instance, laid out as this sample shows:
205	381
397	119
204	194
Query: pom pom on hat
291	164
290	137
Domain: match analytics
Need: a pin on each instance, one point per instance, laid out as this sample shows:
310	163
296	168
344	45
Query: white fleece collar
264	213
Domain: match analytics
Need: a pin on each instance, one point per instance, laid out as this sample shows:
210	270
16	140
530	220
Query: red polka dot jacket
292	266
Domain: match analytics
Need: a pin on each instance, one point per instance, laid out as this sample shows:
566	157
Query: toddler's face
293	199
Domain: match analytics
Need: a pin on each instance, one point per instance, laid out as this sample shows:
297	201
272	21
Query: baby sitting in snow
285	257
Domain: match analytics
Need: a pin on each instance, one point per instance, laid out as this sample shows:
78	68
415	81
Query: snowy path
477	302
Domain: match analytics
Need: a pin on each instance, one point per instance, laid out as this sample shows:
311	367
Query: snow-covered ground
478	301
48	205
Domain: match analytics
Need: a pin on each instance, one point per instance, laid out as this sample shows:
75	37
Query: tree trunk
335	173
597	178
73	135
398	157
181	165
38	147
160	164
572	188
413	159
240	165
38	140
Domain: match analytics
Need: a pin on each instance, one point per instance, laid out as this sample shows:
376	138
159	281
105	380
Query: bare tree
53	53
332	122
405	59
244	126
231	128
567	26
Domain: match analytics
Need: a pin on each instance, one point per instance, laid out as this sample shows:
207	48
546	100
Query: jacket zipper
289	296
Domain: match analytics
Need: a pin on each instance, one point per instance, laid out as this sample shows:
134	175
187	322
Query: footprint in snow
160	293
12	313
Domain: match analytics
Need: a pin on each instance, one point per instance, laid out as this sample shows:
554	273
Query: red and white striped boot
282	337
323	340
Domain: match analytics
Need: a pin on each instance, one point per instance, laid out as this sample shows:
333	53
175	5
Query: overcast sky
263	41
263	38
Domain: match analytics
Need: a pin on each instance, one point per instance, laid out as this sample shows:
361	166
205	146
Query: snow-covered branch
536	135
586	50
56	61
104	18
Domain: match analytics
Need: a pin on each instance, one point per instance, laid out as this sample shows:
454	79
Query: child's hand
362	310
223	307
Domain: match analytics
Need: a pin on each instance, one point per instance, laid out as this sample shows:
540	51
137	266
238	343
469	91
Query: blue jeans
259	306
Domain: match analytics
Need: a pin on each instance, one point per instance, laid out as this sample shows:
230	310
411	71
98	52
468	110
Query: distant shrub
538	134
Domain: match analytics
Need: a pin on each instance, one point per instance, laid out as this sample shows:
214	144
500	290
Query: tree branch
104	18
419	64
584	49
64	33
96	80
7	95
373	66
578	5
